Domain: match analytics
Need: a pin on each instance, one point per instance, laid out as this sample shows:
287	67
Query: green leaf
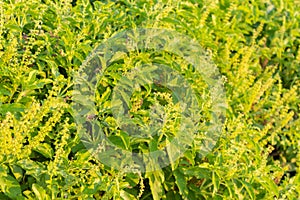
32	168
10	186
156	178
190	157
40	192
198	172
132	179
83	155
17	172
44	149
4	90
13	27
125	139
216	182
105	95
118	56
117	140
181	183
126	196
248	188
13	107
269	184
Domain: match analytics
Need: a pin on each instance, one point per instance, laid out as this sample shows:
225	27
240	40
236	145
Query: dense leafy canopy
256	47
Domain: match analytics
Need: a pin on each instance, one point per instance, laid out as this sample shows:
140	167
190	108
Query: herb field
159	99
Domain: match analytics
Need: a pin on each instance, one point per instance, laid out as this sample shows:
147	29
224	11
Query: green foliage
255	45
